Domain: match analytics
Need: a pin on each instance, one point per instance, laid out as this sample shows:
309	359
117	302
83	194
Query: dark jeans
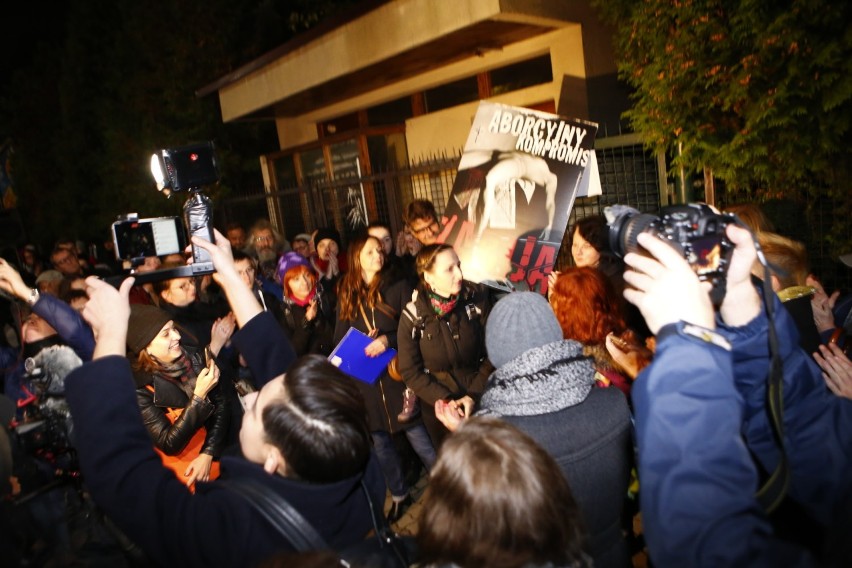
389	460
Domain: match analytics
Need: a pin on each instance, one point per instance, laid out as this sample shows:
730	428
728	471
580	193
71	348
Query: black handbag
383	549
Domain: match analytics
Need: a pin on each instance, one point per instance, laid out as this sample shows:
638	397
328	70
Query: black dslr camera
694	230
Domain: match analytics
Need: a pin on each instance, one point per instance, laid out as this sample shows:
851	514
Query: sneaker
410	407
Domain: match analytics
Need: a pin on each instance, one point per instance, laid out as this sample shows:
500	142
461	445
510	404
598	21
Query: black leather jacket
211	413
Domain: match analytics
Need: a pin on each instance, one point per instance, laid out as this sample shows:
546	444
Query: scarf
442	305
307	299
180	370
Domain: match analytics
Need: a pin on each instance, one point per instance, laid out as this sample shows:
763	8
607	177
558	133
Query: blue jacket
70	328
216	526
700	416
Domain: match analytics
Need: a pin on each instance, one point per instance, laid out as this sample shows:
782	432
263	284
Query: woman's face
372	258
583	252
326	248
180	293
445	277
166	345
384	237
300	286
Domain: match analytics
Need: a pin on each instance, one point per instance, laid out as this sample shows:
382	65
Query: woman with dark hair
497	499
185	412
372	306
307	315
589	240
442	336
588	311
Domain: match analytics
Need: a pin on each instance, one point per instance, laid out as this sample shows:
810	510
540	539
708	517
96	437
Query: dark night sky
24	27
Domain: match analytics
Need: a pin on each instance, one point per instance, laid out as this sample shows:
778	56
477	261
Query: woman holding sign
371	305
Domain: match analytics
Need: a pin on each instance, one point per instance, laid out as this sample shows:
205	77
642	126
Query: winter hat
49	276
518	322
145	323
289	260
326	233
302	237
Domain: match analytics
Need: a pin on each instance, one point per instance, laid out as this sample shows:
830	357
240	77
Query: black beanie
326	233
144	325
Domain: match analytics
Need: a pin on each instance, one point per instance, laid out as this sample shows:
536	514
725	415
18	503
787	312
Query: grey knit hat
518	322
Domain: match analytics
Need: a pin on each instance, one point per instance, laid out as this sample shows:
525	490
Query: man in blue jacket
701	418
304	436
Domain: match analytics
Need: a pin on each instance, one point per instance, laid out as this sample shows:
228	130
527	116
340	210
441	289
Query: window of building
393	112
521	75
451	94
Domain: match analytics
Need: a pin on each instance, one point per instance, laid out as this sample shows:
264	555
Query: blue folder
350	358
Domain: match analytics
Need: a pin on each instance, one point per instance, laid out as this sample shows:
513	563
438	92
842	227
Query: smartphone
135	239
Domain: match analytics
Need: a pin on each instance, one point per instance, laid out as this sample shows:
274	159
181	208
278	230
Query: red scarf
307	299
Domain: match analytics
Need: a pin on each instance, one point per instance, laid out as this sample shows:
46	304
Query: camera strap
772	492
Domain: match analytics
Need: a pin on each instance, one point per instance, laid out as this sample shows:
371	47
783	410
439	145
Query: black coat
212	413
384	397
216	526
314	336
445	357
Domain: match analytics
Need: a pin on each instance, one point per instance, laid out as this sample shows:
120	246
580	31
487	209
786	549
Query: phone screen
148	237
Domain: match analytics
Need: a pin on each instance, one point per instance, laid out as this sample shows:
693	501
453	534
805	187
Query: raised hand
665	288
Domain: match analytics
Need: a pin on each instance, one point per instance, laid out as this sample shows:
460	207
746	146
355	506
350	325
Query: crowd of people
543	425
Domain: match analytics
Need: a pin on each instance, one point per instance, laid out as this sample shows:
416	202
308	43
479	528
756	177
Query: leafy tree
758	91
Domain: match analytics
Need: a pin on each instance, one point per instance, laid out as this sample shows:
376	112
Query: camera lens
624	230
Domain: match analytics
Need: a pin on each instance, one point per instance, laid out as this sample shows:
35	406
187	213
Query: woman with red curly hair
588	310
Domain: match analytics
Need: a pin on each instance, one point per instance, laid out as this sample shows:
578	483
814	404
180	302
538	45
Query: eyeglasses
65	260
432	227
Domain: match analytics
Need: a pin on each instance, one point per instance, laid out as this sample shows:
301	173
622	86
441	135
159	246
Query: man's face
301	247
34	329
246	270
425	230
66	262
237	238
264	240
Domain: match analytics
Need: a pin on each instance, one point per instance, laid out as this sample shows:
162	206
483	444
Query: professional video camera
175	170
695	230
47	431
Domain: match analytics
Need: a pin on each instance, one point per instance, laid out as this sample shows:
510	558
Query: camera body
695	230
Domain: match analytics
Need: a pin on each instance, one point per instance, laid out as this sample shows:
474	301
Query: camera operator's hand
243	302
665	288
741	303
11	281
107	311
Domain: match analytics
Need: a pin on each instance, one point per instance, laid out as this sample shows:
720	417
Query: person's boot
410	407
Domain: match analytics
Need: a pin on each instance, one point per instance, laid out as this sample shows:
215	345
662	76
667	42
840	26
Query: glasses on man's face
65	260
432	227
